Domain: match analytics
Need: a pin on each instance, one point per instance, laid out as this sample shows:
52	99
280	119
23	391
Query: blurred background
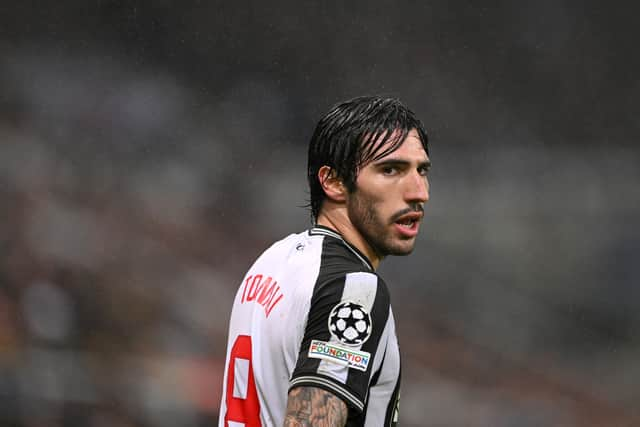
150	150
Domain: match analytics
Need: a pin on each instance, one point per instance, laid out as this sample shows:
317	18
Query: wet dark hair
351	135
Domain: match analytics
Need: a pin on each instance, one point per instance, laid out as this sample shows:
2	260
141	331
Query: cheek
381	200
378	208
375	198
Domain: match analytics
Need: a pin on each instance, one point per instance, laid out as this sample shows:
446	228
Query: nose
417	189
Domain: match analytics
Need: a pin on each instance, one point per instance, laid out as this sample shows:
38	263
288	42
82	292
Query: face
386	207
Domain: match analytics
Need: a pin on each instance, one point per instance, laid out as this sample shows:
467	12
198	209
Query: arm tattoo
312	406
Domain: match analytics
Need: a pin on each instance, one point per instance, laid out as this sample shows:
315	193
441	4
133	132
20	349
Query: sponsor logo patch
341	355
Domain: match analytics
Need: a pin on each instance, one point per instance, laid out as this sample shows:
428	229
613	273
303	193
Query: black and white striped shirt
311	311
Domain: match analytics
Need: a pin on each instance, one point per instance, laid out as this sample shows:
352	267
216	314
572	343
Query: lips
407	224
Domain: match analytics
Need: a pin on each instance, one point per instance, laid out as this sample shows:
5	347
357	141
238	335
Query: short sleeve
345	337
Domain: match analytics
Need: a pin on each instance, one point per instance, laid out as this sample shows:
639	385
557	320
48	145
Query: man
312	339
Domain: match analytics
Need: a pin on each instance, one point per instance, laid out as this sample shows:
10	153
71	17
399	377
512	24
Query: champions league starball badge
350	323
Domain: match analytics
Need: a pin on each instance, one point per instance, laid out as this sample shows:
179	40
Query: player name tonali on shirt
262	290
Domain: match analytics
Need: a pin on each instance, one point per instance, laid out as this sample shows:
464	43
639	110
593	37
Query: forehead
411	147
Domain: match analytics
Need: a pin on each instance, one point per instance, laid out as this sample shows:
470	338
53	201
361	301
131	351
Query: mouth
408	224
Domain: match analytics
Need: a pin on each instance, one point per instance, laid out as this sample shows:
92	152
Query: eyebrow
400	162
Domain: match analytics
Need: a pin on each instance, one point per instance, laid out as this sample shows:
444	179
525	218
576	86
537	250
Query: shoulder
296	248
360	287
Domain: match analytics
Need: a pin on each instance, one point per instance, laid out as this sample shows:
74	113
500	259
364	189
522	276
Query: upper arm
334	358
313	406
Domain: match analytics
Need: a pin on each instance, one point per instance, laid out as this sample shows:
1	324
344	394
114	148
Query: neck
336	218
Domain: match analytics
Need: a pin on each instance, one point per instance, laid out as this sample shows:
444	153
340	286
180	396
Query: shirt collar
326	231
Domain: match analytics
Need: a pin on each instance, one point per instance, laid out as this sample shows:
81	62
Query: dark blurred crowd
142	170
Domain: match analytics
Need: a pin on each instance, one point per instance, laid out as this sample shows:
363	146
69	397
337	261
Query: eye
389	170
423	170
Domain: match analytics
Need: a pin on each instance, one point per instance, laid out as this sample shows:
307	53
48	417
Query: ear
331	184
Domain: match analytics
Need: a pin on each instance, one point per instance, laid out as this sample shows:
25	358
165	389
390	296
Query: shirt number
243	406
